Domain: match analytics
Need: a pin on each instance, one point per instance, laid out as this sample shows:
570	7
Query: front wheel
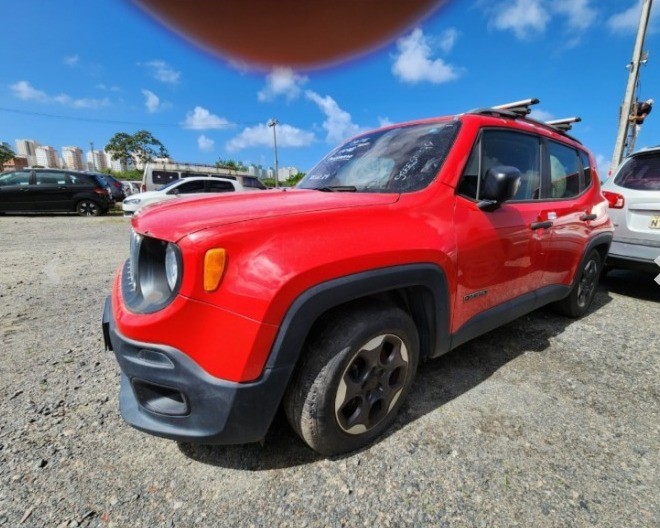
355	373
582	294
88	208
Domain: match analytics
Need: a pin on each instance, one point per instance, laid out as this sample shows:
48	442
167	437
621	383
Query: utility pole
273	123
631	90
91	146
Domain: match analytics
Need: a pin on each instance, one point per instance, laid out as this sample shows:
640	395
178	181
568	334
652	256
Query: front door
15	192
501	253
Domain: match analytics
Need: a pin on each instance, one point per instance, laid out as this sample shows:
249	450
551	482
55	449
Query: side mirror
501	184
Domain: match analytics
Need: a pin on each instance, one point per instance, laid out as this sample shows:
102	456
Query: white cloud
414	63
262	136
448	39
205	144
338	123
163	72
523	17
282	81
580	15
628	21
152	101
71	61
384	122
529	18
25	91
201	119
541	115
107	88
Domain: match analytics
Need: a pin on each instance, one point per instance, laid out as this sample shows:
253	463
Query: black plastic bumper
165	393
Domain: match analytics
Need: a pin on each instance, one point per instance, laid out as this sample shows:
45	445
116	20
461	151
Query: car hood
175	219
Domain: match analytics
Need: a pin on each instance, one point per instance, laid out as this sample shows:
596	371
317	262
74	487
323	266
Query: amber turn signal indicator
214	267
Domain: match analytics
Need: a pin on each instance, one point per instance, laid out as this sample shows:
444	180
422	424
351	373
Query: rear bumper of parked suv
633	254
167	394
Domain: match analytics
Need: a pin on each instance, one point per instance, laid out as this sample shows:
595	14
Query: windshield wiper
338	188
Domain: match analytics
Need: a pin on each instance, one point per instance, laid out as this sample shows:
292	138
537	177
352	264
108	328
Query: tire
88	207
355	373
582	294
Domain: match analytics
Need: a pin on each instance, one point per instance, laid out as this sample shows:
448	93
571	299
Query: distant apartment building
118	165
73	158
27	148
284	173
47	157
96	160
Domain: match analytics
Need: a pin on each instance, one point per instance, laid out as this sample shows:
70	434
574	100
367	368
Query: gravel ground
544	422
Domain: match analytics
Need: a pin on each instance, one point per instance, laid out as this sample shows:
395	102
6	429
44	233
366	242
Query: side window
503	147
15	178
586	168
564	171
162	177
192	174
189	187
220	186
50	178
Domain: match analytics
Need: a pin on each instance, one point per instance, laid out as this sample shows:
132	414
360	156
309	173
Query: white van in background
159	173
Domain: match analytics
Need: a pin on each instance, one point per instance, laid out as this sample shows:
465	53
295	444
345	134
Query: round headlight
171	266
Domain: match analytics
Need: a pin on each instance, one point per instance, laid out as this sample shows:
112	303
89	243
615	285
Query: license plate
655	222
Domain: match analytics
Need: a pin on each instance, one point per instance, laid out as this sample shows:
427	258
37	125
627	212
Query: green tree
141	145
6	154
231	165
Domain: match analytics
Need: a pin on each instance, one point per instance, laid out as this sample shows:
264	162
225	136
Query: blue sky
76	72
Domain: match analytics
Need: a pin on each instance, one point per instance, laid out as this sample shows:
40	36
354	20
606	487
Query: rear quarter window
641	173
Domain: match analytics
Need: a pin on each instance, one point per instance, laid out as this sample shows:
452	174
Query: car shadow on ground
632	284
438	382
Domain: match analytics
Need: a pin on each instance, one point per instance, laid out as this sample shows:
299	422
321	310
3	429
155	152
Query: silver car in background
633	193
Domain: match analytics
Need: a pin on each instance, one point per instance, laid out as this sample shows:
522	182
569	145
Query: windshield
396	160
641	173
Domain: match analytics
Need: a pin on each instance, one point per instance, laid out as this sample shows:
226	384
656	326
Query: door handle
25	190
587	217
541	225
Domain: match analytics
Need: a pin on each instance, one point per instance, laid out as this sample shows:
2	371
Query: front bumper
165	393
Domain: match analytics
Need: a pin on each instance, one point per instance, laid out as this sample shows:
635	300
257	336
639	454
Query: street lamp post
273	123
91	146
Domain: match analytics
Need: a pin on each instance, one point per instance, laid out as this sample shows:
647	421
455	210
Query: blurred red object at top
302	34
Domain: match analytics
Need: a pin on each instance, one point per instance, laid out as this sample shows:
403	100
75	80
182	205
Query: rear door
51	191
567	203
15	191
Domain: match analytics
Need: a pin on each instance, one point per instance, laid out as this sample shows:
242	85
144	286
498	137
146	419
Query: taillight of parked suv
615	200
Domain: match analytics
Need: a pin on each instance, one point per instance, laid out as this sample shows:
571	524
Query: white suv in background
179	188
633	193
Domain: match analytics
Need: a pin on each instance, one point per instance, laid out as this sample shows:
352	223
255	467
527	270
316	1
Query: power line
119	122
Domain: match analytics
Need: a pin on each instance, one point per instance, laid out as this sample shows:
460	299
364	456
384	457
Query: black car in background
114	186
54	190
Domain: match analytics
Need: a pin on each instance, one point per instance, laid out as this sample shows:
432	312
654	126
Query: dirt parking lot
545	422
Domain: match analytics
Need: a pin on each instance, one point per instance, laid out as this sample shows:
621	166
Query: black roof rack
563	125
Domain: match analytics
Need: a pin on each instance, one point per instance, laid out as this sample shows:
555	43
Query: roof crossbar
563	125
519	108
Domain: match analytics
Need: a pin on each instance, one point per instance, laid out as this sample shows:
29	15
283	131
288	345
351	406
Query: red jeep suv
399	246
